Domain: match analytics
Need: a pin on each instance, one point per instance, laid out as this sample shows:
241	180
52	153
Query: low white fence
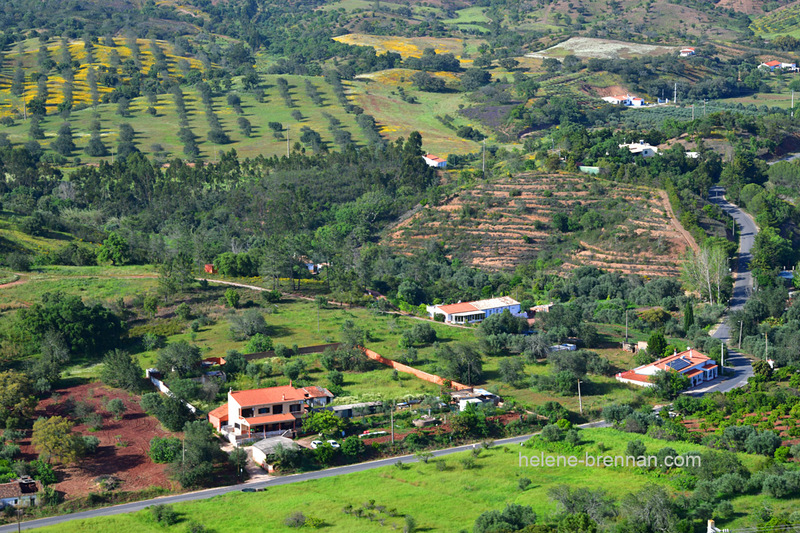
160	385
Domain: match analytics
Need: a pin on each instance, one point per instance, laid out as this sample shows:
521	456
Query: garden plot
587	47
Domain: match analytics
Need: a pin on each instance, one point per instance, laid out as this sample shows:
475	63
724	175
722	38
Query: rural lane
742	289
275	482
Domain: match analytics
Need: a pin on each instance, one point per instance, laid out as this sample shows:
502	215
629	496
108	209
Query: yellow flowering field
405	46
10	104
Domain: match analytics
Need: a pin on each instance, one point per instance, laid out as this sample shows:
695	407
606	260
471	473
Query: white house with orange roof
686	52
266	412
691	363
470	312
621	99
434	161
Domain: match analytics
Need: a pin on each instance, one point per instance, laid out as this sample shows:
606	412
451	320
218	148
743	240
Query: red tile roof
773	64
270	395
317	392
463	307
693	357
436	159
694	372
220	412
630	374
270	419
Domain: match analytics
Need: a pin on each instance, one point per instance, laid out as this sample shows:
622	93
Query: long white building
470	312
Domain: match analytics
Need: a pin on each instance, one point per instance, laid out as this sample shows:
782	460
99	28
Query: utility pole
692	112
675	94
580	401
287	140
792	103
626	326
483	164
391	415
766	346
722	347
741	323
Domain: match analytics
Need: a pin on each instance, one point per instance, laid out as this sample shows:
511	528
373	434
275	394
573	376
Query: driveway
742	290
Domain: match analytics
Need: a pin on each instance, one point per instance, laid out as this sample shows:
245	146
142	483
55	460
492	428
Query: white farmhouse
469	312
433	161
641	148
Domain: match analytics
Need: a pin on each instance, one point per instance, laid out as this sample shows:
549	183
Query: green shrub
296	520
164	449
90	444
164	514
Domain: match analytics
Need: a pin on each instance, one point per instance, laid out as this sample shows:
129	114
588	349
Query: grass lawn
448	500
92	283
469	16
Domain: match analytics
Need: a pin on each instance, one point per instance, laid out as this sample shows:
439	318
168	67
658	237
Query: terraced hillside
784	21
580	219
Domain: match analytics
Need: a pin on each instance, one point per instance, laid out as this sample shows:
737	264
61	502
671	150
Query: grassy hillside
784	21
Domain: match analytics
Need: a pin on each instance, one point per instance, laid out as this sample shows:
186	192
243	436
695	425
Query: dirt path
14	283
676	224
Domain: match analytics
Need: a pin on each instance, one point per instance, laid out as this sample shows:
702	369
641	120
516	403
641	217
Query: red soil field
123	443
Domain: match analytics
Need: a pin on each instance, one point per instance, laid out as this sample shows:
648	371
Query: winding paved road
742	289
275	482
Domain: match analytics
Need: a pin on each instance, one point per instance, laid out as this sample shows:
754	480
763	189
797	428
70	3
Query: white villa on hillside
469	312
433	161
641	148
694	365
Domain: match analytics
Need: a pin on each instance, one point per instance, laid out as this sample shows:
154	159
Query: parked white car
316	444
333	444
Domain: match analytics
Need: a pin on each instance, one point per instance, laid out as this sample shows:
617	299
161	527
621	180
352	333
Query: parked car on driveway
333	444
316	444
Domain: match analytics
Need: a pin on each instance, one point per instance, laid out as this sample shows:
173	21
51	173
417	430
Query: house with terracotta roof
686	52
266	412
770	65
433	161
22	492
620	99
694	365
470	312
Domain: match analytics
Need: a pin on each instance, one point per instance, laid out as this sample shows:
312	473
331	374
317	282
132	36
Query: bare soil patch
123	443
588	47
500	225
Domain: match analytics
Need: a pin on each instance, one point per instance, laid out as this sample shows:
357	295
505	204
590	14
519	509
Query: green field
378	94
163	129
91	282
298	322
470	19
778	22
447	501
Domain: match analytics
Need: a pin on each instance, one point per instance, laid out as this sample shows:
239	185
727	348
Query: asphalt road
742	289
276	482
